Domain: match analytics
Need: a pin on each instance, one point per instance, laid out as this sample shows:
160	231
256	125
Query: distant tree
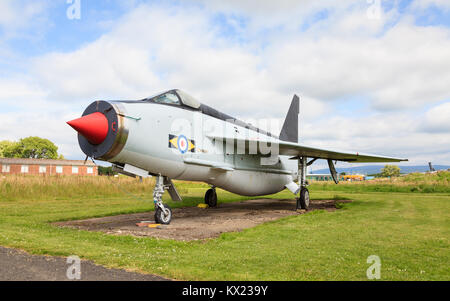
6	147
38	148
3	145
31	147
343	173
390	171
106	171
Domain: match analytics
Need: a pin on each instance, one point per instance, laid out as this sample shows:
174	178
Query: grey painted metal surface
289	131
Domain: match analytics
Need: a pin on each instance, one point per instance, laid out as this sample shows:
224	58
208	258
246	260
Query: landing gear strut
163	213
303	200
211	197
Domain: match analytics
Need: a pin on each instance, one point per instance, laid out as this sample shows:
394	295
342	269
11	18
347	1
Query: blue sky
387	75
56	32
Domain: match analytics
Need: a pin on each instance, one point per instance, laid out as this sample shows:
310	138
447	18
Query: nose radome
93	127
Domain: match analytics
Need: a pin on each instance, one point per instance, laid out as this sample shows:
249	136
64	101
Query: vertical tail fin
289	131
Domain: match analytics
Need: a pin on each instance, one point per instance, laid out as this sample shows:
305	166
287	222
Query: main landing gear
163	213
211	197
303	200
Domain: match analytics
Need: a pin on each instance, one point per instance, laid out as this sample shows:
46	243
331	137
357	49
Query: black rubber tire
211	198
303	201
160	218
208	195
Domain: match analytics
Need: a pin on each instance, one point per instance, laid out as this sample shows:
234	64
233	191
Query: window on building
74	169
42	169
24	169
59	169
6	168
90	170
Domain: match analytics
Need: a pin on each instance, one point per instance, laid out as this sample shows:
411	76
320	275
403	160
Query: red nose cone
93	127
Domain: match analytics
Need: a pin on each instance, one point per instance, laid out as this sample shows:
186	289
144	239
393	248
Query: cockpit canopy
179	98
175	97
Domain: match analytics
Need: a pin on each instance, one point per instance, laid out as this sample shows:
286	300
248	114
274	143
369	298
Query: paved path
19	266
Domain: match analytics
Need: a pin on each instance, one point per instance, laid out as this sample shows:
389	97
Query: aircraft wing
294	149
300	150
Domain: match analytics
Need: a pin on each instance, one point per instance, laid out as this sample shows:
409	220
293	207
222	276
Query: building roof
45	162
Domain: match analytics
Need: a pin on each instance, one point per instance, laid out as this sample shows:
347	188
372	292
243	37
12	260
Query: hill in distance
375	169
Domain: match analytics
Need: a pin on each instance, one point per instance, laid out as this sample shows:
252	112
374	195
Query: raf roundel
183	144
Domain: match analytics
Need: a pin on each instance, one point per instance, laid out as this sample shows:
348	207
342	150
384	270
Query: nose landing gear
163	213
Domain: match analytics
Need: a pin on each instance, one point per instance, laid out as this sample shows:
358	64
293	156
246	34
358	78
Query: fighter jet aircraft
174	136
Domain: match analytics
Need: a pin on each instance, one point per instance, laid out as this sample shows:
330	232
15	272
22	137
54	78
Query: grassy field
409	232
415	182
14	188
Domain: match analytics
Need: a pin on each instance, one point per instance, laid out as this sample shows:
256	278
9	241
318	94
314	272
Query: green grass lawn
414	182
409	232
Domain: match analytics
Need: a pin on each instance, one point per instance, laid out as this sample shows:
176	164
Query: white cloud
151	50
437	120
17	14
19	91
49	124
271	13
102	69
405	68
399	69
422	4
398	135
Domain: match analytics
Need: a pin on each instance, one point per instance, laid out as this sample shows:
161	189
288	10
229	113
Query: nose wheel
163	213
211	197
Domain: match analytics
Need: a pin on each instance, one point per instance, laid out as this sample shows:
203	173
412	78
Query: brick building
15	166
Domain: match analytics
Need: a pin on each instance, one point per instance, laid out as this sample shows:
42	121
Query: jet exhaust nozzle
94	127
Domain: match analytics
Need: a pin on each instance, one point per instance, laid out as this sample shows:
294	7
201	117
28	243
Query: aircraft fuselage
149	146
